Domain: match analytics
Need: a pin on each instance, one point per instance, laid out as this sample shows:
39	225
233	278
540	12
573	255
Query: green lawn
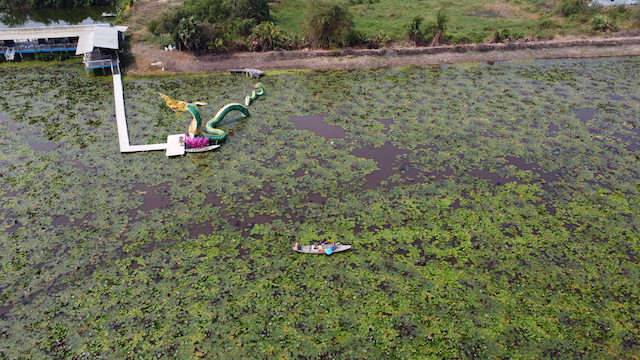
391	17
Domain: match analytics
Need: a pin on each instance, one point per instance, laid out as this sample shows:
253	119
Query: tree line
220	25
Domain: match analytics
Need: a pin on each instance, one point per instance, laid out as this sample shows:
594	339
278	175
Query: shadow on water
387	122
522	164
586	114
44	146
11	125
385	156
213	199
494	178
4	309
14	127
152	199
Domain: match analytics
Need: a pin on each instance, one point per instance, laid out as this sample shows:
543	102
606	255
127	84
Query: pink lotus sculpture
197	141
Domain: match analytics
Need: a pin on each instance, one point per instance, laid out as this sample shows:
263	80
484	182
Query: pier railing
32	48
97	64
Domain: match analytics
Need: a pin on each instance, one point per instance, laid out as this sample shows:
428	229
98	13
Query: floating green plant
507	228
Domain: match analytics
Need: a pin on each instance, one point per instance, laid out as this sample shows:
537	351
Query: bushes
210	25
267	36
54	56
414	32
547	23
251	9
471	37
435	31
573	7
601	23
620	12
167	23
377	40
635	16
327	24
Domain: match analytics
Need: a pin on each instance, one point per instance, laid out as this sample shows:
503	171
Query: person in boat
331	246
328	249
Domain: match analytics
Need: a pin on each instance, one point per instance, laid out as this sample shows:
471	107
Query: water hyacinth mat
492	210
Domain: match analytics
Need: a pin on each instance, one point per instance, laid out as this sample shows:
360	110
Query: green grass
468	20
508	228
392	17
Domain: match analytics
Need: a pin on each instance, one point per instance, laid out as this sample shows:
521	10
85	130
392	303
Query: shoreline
175	62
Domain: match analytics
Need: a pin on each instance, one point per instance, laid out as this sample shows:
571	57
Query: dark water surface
315	124
385	156
54	17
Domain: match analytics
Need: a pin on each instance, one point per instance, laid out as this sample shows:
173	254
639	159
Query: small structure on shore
249	72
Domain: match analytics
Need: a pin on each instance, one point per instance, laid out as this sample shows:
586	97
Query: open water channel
53	17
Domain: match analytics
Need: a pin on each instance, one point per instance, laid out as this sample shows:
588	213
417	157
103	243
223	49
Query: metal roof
89	36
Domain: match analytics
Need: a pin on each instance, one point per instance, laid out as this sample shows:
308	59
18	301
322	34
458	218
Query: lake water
54	17
505	189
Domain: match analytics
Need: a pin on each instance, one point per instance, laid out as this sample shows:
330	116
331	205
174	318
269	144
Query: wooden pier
173	147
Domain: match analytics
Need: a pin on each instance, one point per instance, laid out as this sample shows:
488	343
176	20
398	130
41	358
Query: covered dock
98	44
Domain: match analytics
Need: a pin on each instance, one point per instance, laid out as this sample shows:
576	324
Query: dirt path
168	62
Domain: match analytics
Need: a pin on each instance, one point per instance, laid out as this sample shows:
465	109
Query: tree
267	36
188	33
327	24
211	11
414	33
251	9
215	38
218	11
440	27
168	23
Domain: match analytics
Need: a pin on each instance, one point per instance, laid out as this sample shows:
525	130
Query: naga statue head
179	105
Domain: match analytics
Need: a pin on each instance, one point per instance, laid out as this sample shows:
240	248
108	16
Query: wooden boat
320	249
201	148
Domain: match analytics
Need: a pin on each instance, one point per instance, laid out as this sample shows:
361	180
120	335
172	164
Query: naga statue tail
254	95
218	135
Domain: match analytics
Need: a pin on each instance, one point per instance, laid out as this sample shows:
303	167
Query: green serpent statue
202	134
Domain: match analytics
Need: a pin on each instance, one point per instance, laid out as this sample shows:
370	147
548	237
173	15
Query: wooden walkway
173	148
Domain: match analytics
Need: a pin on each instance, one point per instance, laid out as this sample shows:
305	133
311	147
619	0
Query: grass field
492	210
468	21
475	19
